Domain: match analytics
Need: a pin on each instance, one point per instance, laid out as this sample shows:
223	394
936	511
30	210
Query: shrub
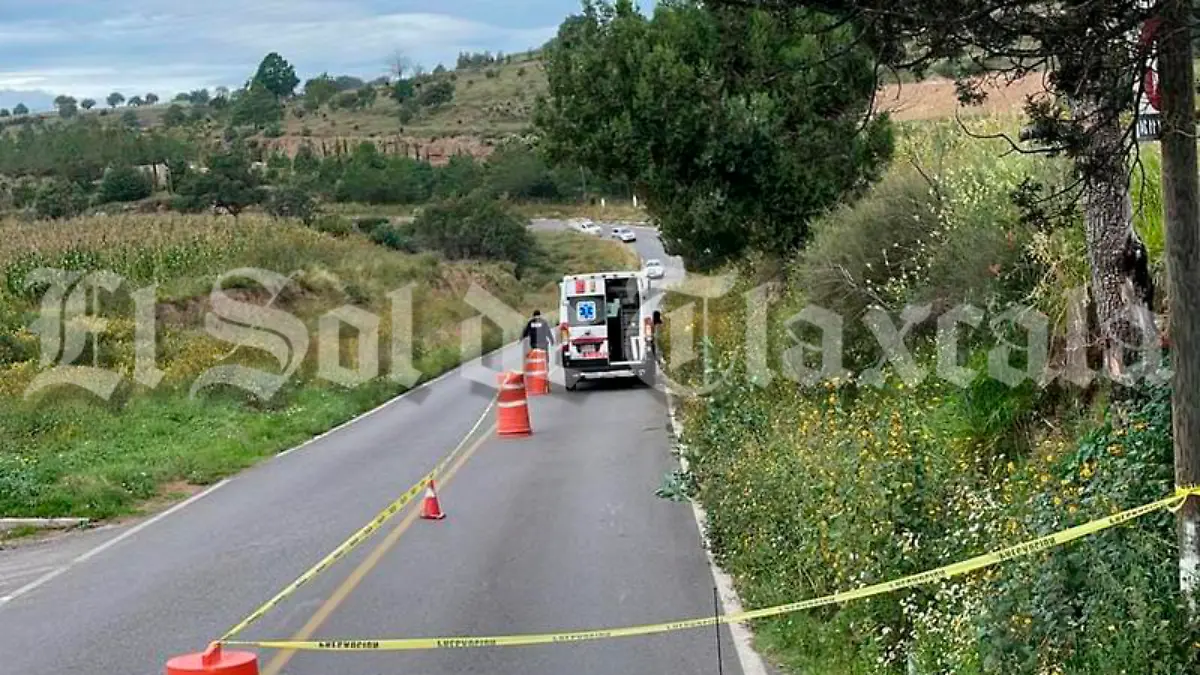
373	178
175	116
403	91
474	227
395	237
24	192
292	201
230	184
59	199
332	225
367	224
306	161
125	184
517	172
461	176
257	107
408	112
1110	604
436	94
865	255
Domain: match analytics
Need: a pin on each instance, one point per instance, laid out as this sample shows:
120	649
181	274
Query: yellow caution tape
338	553
357	538
957	569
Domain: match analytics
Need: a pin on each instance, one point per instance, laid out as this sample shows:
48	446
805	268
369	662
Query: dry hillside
493	102
936	99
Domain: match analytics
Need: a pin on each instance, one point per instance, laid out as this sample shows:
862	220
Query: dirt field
936	99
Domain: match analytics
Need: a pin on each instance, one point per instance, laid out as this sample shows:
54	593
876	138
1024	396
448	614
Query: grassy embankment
813	489
67	453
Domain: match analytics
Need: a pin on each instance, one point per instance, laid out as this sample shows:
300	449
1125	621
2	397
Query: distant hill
490	103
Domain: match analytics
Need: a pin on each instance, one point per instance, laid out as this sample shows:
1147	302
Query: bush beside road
823	487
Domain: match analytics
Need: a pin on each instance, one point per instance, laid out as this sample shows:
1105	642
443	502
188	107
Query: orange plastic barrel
537	373
512	407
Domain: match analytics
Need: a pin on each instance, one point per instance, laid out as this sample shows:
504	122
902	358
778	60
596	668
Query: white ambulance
606	329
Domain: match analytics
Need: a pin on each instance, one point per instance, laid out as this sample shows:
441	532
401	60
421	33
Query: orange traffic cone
512	408
537	373
214	661
431	508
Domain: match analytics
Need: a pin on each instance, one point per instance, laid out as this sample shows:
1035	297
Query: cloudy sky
88	48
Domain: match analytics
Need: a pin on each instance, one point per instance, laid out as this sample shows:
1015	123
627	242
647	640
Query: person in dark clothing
538	332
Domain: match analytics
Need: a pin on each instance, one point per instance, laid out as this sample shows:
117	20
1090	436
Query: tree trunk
1181	192
1122	288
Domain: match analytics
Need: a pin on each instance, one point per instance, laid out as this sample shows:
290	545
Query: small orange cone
214	661
431	508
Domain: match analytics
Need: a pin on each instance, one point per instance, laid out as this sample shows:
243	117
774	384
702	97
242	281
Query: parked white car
655	269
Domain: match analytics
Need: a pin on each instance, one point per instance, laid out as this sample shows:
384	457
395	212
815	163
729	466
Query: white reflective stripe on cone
512	387
514	404
539	373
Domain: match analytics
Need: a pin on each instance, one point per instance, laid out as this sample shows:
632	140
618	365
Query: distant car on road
624	234
592	229
654	269
579	224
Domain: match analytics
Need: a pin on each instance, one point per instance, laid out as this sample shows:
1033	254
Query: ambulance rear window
586	310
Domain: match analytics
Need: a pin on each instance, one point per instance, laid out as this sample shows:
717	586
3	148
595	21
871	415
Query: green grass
70	454
98	462
19	533
812	490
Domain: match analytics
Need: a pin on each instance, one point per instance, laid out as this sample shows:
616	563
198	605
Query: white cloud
98	82
168	46
373	38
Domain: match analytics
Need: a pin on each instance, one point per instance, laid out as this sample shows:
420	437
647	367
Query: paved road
560	531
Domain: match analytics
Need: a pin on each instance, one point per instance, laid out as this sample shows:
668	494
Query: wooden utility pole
1181	197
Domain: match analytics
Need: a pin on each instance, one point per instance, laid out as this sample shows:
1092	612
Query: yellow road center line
364	568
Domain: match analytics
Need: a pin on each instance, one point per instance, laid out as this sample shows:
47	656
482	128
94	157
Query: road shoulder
731	603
